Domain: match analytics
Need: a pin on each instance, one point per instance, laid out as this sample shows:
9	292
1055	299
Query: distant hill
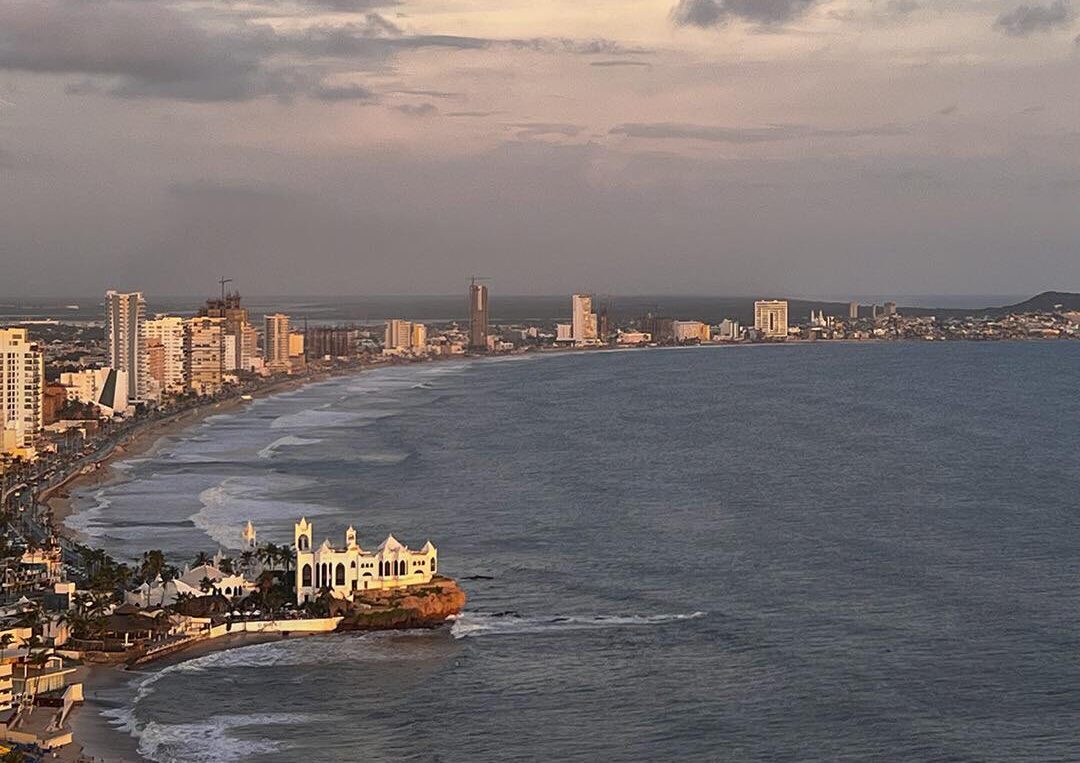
1047	302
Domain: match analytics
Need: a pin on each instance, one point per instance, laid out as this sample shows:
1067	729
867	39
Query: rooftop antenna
224	281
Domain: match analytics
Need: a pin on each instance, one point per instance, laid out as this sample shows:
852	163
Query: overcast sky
621	146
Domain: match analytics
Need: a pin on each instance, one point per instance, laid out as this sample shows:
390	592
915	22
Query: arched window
339	574
432	565
403	568
305	575
352	565
302	543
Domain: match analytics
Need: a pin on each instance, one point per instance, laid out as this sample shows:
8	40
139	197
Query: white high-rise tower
125	316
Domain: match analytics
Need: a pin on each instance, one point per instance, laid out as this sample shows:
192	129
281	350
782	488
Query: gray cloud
350	92
951	109
350	6
902	7
1029	19
472	114
593	47
135	49
431	93
745	135
708	13
621	62
418	109
542	129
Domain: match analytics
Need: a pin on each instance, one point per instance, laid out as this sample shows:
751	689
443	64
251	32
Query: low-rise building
348	570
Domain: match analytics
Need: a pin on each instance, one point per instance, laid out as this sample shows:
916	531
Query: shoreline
95	735
59	499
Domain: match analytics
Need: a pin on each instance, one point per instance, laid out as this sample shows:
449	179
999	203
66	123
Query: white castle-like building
352	569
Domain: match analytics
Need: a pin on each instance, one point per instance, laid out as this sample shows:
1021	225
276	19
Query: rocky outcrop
419	606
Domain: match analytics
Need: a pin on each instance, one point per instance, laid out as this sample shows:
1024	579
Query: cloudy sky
623	146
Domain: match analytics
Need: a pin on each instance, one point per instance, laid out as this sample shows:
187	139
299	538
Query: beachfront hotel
352	569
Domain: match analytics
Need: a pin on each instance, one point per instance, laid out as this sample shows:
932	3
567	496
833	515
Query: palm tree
226	565
153	562
247	560
202	558
287	556
268	555
206	585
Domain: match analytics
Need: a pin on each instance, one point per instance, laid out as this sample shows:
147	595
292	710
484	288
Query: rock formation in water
421	606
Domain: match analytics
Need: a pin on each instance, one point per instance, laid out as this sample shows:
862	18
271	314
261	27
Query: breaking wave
286	441
229	504
509	624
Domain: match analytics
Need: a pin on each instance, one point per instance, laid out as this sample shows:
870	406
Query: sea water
824	552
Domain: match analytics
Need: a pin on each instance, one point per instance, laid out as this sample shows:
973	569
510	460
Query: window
305	576
339	575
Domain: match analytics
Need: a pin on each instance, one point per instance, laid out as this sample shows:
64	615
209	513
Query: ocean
814	552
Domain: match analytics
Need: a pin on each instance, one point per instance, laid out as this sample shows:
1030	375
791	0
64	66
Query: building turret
350	537
248	535
302	534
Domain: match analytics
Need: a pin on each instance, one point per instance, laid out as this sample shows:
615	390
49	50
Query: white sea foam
286	441
233	501
318	418
472	624
87	520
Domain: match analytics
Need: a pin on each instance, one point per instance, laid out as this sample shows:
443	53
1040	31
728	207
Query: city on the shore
72	395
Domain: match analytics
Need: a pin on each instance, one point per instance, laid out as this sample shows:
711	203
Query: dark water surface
830	552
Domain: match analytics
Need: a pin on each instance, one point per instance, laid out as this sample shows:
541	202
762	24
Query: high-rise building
661	329
296	344
22	387
249	348
204	357
478	317
603	325
418	336
771	318
584	320
853	310
276	342
125	316
398	335
333	342
168	332
235	326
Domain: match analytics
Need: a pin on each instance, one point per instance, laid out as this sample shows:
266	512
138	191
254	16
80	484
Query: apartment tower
478	316
22	388
771	318
276	342
125	316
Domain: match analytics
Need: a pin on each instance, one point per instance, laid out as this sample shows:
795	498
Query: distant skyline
376	147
